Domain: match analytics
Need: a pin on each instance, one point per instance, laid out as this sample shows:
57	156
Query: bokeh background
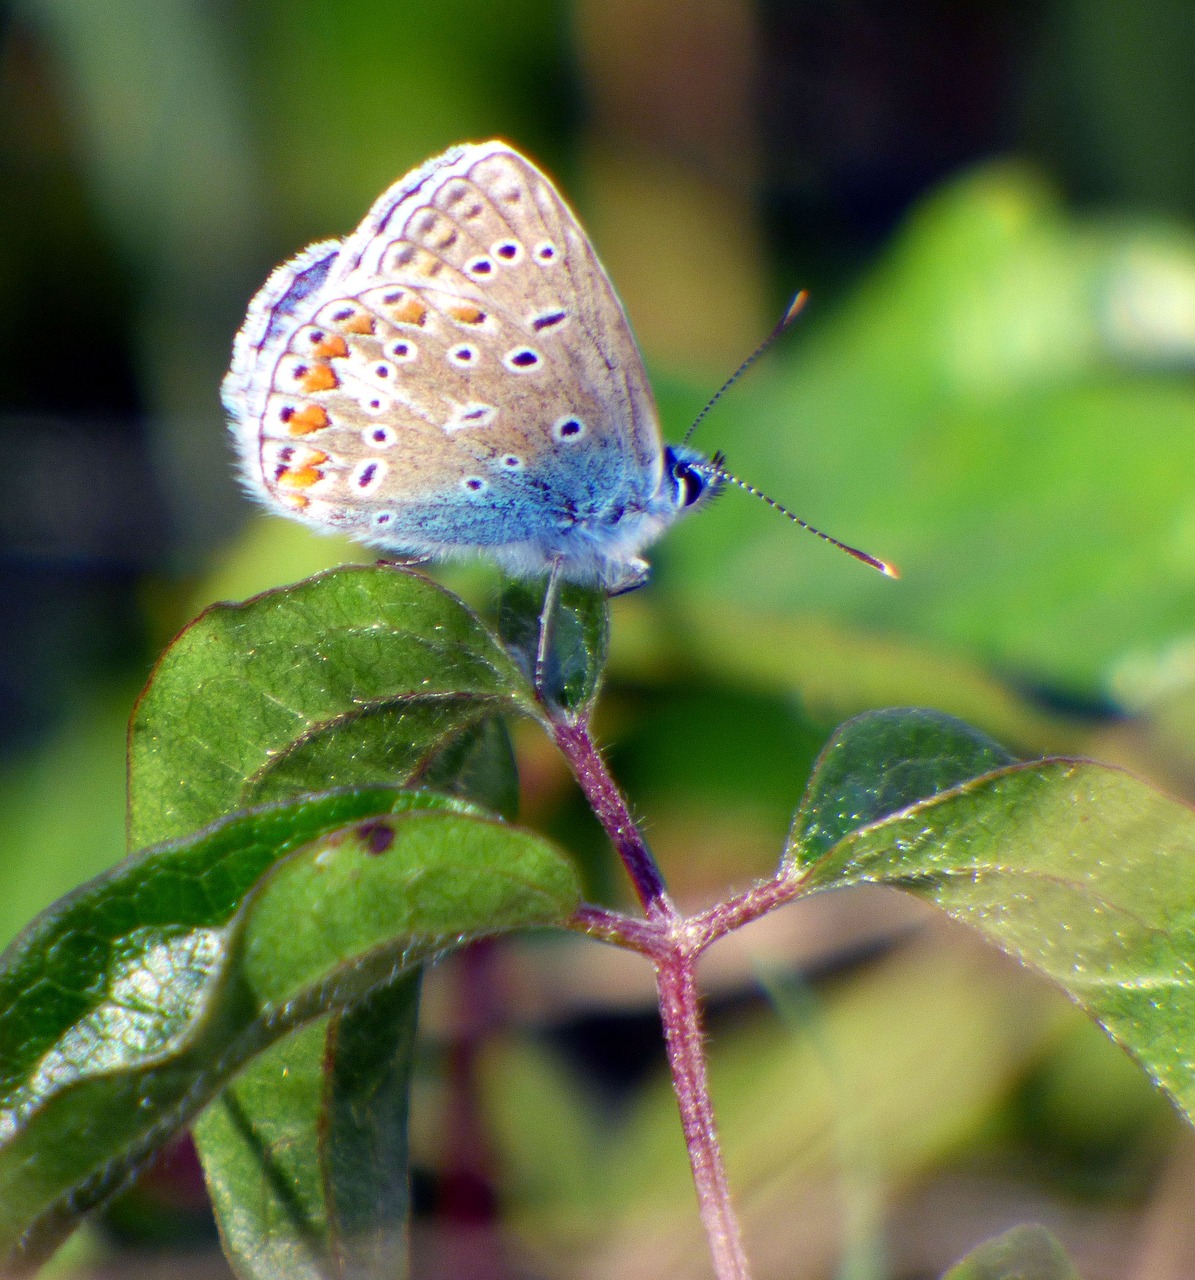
994	207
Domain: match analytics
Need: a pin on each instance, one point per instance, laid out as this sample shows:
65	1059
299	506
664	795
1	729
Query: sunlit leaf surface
1081	871
126	1008
357	675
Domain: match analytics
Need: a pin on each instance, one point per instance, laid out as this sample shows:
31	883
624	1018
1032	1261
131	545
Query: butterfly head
690	477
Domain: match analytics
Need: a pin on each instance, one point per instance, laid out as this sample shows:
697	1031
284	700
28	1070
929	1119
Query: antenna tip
795	308
886	567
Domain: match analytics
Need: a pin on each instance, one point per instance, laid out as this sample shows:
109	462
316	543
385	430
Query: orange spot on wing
466	313
296	501
318	377
359	323
312	417
332	345
299	477
409	310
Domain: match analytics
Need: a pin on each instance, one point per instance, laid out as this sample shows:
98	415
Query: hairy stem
679	1010
673	945
608	803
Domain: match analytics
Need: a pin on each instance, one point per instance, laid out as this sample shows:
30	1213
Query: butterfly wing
457	373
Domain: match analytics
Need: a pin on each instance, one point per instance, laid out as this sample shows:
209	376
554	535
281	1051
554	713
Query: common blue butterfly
459	375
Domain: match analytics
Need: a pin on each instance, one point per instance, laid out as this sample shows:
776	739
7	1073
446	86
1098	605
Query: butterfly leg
404	562
635	575
546	618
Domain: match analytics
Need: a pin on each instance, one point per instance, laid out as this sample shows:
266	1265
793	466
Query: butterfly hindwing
457	373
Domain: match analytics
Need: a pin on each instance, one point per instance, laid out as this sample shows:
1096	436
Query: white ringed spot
507	252
569	428
463	355
471	415
552	318
522	359
379	437
367	475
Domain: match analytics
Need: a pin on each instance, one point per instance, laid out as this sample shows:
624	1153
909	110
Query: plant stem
677	983
732	913
608	803
673	946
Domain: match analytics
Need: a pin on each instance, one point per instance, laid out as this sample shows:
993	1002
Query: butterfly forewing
464	351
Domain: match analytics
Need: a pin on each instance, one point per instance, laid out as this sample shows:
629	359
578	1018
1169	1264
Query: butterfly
458	375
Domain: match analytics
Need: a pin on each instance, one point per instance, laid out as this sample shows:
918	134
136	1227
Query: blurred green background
994	207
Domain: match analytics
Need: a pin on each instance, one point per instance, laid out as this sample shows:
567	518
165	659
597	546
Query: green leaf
305	1152
1077	869
371	1051
479	765
883	761
358	675
424	680
577	643
129	1005
1024	1253
255	1142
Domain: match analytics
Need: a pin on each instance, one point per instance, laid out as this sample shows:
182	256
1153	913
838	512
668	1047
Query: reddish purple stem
673	944
608	803
681	1015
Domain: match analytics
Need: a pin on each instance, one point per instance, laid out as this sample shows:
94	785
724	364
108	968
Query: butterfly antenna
794	309
716	471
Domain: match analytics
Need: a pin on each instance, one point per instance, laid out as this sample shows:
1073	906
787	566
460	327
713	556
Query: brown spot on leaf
376	836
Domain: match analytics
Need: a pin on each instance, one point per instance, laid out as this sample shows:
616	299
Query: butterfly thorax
599	539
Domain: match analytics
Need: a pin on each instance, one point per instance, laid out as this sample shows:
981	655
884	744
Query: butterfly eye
690	484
